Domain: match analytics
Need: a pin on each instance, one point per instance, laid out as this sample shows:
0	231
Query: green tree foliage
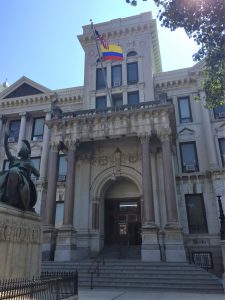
204	21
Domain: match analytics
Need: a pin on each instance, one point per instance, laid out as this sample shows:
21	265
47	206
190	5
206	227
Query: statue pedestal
20	243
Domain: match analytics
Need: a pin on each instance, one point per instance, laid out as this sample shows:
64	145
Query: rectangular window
100	82
38	129
184	110
14	130
116	76
196	213
133	98
222	150
189	159
5	165
132	73
101	102
59	214
36	162
62	168
219	112
117	100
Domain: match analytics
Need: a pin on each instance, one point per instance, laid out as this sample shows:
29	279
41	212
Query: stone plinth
20	243
49	243
150	247
174	244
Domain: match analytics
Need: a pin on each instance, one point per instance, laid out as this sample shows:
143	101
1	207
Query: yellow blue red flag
114	52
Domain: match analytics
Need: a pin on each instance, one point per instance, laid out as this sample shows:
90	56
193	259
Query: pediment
186	131
24	87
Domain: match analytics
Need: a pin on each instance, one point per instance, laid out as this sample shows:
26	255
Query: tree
204	21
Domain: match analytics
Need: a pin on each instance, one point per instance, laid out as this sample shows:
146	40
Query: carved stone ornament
19	232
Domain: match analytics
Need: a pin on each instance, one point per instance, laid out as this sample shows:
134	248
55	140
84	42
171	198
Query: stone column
66	239
150	247
1	126
49	232
208	135
174	237
45	148
22	129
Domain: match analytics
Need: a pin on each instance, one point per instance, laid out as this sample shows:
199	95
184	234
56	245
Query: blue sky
39	38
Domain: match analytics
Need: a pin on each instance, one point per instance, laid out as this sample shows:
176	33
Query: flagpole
102	67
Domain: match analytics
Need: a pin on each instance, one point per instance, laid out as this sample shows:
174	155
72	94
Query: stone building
138	166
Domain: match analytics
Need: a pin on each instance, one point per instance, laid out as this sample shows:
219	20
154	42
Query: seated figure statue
16	186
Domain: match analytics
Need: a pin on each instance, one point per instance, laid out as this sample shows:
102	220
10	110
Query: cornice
25	100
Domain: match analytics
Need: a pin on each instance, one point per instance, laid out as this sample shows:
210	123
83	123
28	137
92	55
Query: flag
114	52
102	40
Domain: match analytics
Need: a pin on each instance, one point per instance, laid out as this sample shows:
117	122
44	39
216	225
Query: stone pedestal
150	246
223	259
49	243
20	243
174	244
66	249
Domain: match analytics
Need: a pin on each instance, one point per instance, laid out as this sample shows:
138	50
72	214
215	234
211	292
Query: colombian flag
114	52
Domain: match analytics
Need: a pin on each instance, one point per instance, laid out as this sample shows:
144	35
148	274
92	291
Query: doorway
122	221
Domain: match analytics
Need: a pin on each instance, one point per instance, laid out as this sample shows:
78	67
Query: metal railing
203	259
95	267
108	110
49	286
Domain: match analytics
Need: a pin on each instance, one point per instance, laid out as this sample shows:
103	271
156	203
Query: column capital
72	145
165	135
144	138
23	114
54	147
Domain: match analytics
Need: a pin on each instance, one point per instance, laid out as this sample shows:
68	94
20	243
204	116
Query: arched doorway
122	214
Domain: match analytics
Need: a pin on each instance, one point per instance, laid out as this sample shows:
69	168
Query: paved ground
123	294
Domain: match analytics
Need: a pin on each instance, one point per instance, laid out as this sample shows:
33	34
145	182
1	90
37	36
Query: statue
16	187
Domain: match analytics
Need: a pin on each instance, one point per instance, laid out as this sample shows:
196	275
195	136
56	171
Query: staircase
116	273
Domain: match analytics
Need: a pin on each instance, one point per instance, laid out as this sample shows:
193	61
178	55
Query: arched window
131	53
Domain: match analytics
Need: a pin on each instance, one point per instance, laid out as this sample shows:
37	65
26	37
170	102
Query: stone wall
20	243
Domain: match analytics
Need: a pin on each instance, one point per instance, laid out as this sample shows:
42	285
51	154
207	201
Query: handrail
94	268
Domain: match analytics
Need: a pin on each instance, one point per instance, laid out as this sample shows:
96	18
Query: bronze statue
16	187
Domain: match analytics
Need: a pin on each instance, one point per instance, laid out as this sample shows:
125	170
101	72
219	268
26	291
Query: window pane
38	128
131	53
222	150
188	157
59	214
196	213
219	112
116	76
36	162
14	130
184	110
117	100
62	168
132	73
101	102
133	98
100	82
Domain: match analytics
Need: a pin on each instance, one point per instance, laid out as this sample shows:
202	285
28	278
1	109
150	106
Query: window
189	160
62	168
116	76
219	112
131	53
59	214
38	129
133	98
117	100
222	150
196	213
184	110
14	130
132	73
36	162
5	165
100	81
101	102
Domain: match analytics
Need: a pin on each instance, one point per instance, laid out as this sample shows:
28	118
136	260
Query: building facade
137	165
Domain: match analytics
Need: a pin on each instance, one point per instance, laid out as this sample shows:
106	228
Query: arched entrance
122	214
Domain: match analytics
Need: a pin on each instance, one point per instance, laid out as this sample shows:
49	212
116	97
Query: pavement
138	294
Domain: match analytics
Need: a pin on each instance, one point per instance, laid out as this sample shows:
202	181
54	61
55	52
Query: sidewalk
138	294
